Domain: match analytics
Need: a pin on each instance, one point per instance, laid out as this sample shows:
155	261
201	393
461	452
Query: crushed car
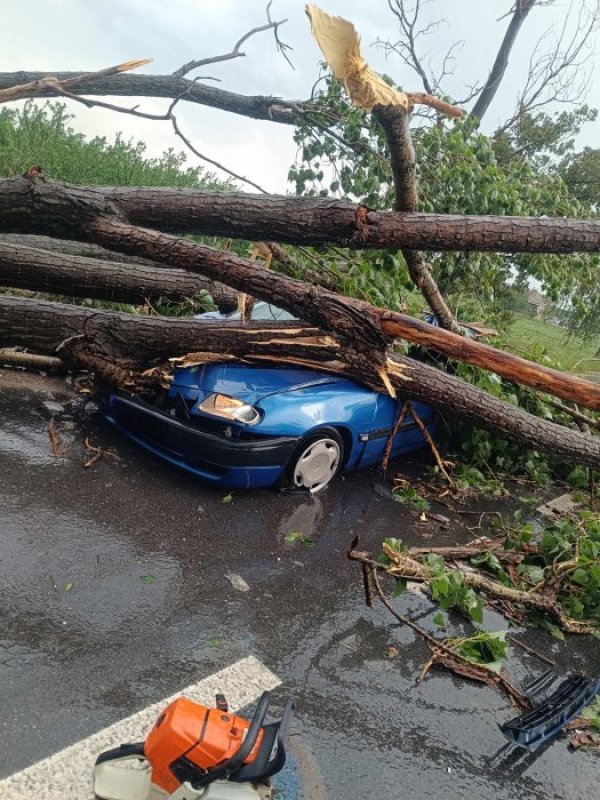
245	426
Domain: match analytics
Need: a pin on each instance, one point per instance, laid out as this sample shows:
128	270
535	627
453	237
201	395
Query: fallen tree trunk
84	213
312	221
94	339
76	276
73	248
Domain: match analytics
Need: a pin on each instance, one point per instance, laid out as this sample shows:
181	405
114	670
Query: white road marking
67	775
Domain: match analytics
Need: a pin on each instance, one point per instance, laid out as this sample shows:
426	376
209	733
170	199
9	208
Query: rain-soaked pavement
113	595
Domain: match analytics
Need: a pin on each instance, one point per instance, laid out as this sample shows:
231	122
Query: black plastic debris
552	708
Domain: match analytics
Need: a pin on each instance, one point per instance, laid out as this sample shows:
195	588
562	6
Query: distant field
529	334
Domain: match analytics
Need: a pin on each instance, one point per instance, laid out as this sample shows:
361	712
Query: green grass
534	337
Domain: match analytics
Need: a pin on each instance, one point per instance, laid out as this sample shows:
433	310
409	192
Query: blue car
243	426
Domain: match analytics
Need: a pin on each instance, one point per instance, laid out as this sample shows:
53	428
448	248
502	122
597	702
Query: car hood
247	383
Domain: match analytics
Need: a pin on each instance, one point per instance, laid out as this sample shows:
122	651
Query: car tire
316	461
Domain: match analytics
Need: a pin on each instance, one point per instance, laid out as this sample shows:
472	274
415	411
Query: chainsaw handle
244	750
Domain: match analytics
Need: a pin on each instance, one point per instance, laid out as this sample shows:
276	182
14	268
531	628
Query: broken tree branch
17	358
265	107
88	214
138	342
236	51
443	653
408	568
395	123
51	84
520	11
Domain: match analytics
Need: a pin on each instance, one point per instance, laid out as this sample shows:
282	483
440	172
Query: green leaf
296	536
147	579
68	586
534	574
440	587
489	561
399	588
228	498
475	611
435	563
554	630
483	648
439	619
395	544
580	576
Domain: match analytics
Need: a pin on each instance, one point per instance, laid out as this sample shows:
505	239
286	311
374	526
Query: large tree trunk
97	339
314	221
307	221
83	213
76	276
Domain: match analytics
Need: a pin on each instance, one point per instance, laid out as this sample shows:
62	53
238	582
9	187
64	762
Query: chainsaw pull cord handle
244	750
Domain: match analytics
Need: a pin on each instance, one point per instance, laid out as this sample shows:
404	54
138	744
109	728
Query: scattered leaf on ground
228	498
237	582
68	586
584	739
147	578
296	536
439	619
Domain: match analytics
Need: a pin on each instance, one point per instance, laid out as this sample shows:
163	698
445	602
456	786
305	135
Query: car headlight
220	405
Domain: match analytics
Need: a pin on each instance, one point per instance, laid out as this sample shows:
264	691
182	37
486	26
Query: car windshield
260	311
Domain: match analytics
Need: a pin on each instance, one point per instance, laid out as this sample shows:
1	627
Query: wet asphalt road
75	658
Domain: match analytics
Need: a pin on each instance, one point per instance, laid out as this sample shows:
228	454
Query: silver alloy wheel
317	464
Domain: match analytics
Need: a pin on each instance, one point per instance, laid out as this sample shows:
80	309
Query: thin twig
388	445
577	415
236	52
212	161
531	651
426	435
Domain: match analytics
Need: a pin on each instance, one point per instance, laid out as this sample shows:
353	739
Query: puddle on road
61	569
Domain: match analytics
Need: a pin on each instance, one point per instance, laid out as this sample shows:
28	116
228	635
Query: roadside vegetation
539	338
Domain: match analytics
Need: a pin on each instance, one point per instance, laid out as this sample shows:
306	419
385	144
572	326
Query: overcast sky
89	35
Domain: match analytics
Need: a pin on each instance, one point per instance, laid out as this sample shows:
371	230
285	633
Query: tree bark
76	276
265	107
520	12
73	248
307	221
84	213
94	338
311	221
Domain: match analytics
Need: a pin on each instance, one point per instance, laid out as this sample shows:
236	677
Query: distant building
538	303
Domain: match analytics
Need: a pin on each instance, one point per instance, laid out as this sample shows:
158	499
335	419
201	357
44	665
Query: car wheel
317	460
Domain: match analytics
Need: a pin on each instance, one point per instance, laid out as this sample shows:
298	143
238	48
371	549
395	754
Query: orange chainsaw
197	752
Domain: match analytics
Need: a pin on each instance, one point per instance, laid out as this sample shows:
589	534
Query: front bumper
235	463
